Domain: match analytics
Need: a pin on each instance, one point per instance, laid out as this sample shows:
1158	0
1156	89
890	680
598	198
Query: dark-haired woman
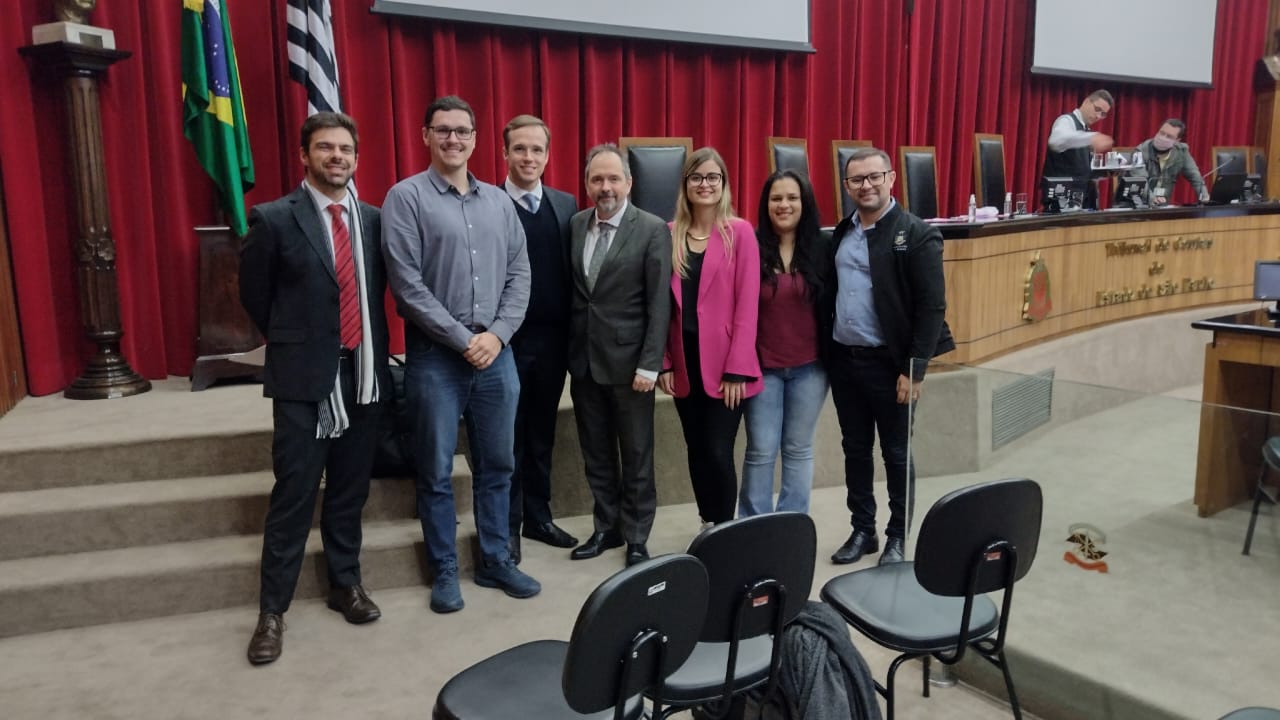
711	344
784	416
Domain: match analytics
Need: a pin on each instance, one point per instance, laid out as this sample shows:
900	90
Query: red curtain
931	77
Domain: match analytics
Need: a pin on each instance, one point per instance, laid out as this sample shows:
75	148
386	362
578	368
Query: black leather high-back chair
657	169
636	628
918	168
973	541
840	152
988	169
761	571
1230	160
788	154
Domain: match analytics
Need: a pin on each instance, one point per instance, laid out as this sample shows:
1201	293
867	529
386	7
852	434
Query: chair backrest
918	166
665	599
958	529
657	168
840	152
742	553
988	168
1259	161
788	154
1230	160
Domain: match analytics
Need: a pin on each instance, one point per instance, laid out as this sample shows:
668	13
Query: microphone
1228	162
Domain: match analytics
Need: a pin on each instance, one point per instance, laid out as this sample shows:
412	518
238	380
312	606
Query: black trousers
864	389
299	458
615	430
710	431
542	361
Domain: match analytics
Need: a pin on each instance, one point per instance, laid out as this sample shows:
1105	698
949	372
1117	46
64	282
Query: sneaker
507	576
446	595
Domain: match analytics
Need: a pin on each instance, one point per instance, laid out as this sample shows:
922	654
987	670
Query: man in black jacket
312	280
882	320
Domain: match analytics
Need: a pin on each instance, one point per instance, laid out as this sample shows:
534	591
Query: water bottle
973	207
1008	204
1137	158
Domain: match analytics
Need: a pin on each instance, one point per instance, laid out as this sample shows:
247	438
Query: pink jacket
728	304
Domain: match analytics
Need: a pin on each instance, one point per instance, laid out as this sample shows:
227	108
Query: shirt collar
1079	117
857	219
322	201
517	193
442	186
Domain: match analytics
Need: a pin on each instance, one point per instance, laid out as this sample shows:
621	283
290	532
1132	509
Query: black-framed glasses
443	133
875	179
712	179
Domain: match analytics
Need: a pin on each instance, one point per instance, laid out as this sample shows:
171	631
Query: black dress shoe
550	534
513	548
267	640
636	553
859	543
354	604
596	544
893	551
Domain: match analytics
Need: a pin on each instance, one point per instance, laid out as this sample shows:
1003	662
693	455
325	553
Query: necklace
697	238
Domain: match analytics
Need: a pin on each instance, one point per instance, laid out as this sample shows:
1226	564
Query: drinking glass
1020	204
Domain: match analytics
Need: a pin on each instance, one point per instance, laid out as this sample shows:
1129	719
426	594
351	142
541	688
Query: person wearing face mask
1165	157
783	417
1071	143
711	365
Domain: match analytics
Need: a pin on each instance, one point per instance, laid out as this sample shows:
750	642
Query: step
107	586
153	512
158	459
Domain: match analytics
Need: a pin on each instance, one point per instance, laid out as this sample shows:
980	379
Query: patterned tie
348	298
531	202
597	257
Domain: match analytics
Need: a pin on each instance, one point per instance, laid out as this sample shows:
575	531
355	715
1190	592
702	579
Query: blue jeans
784	416
440	387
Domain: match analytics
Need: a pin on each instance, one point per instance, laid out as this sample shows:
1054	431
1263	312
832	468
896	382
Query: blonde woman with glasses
711	364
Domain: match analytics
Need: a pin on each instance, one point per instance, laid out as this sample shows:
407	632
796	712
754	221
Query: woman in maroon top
784	416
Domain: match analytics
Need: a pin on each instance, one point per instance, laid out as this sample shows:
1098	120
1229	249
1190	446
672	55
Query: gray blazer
621	325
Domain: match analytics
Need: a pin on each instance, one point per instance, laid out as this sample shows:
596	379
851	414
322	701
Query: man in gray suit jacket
620	264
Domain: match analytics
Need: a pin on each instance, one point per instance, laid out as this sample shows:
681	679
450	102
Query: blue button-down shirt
455	262
856	319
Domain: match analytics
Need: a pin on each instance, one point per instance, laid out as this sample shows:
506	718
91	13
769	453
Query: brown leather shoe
267	640
354	604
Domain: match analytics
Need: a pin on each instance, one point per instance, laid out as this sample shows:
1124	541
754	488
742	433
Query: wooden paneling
13	375
986	276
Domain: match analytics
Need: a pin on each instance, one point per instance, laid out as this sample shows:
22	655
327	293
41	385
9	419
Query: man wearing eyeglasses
459	270
1072	143
881	318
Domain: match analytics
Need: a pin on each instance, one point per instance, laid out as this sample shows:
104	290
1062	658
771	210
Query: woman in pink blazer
711	364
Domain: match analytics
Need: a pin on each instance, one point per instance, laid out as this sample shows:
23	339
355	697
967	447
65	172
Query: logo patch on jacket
900	241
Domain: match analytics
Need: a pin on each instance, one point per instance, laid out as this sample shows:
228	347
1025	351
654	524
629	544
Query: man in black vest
541	346
1071	143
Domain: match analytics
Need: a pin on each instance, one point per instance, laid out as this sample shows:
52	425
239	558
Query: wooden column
107	374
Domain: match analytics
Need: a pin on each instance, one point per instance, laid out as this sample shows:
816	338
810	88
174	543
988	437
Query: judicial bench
1013	283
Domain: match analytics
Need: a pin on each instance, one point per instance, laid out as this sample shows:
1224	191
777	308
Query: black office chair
918	166
788	154
657	170
840	152
988	169
761	571
973	541
634	630
1270	459
1252	713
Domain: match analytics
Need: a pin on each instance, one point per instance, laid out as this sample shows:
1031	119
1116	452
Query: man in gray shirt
459	270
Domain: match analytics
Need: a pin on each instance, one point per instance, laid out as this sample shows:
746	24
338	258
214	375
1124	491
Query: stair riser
195	589
124	526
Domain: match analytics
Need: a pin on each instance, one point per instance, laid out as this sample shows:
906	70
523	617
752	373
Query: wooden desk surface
1095	268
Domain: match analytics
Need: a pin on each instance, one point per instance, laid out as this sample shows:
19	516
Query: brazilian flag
212	106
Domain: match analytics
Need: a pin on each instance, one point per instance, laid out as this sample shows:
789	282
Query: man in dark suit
621	268
312	280
541	345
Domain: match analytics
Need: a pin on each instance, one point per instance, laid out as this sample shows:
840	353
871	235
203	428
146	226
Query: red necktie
348	297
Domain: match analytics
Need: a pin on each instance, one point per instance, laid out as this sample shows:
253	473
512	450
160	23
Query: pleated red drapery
934	77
